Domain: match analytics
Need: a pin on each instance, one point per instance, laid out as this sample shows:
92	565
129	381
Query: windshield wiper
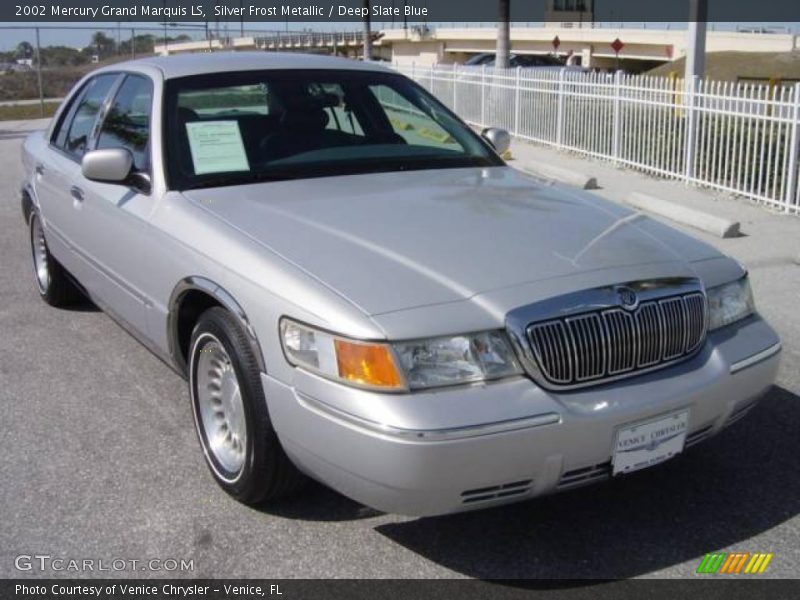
240	179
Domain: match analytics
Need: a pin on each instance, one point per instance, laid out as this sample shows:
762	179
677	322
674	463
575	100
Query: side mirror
111	165
498	138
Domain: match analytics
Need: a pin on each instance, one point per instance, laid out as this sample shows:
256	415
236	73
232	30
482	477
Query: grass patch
26	111
56	82
748	67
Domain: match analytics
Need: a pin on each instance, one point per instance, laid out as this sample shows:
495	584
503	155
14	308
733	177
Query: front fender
224	298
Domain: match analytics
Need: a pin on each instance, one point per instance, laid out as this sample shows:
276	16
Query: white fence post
691	127
483	95
412	72
516	102
793	174
560	112
432	67
455	95
617	118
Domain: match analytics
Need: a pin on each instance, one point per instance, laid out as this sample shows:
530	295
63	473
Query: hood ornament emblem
627	298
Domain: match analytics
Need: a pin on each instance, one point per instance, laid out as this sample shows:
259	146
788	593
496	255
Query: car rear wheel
239	443
52	280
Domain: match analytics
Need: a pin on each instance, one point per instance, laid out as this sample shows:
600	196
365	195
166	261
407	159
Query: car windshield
235	128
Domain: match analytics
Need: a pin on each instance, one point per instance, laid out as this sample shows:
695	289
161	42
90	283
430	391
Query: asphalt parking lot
100	460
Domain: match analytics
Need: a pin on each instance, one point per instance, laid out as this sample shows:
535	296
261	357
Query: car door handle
76	193
40	169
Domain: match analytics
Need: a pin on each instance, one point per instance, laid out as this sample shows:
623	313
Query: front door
115	217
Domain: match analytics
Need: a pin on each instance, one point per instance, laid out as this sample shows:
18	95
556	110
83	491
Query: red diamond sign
556	42
617	45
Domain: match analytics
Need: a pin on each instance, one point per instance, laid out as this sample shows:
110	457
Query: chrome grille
615	342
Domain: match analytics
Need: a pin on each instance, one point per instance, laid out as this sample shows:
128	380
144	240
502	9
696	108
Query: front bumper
464	448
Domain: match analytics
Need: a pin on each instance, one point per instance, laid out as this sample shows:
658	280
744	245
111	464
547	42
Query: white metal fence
741	138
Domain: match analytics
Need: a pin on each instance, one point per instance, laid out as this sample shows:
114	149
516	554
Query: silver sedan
359	290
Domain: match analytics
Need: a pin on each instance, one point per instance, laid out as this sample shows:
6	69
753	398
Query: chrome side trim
756	358
224	298
427	435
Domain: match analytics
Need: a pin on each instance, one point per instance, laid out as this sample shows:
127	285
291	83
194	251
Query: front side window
127	123
73	136
411	123
237	128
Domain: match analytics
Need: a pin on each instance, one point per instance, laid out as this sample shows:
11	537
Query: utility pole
695	68
502	58
39	73
367	33
696	42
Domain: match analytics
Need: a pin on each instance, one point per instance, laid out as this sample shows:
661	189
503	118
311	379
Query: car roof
183	65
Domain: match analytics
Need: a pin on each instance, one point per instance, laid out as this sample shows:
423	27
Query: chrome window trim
597	300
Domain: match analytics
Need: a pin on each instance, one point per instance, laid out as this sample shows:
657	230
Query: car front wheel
240	445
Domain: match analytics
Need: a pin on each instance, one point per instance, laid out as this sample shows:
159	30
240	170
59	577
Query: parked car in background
359	290
527	61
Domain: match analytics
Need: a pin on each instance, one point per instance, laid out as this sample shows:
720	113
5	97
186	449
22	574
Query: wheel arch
189	299
27	201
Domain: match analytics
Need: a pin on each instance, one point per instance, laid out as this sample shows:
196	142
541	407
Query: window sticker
216	147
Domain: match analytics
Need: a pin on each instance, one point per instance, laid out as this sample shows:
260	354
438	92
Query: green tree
24	50
101	44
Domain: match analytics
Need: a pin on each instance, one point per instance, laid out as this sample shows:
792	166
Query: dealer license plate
650	442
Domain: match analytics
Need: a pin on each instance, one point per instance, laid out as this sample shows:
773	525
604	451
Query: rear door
55	174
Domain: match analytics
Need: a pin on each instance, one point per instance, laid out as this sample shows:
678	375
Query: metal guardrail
735	137
313	39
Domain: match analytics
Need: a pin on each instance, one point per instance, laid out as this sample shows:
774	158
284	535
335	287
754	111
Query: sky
63	35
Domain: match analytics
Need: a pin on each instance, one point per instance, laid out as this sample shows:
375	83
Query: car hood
395	241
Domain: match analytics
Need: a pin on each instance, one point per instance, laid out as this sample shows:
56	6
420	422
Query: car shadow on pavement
82	304
316	502
721	493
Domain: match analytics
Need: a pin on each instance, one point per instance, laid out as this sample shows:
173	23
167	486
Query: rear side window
75	132
127	123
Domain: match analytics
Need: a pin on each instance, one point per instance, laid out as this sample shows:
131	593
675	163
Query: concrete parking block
574	178
684	215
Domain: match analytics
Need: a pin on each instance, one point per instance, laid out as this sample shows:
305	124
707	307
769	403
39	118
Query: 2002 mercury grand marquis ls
359	290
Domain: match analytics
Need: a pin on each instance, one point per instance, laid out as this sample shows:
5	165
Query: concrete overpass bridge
340	43
584	44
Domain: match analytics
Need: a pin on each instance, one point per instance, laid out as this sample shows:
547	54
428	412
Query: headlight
457	359
729	303
409	365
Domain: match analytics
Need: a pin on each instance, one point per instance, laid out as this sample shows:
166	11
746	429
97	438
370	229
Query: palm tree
503	35
367	33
